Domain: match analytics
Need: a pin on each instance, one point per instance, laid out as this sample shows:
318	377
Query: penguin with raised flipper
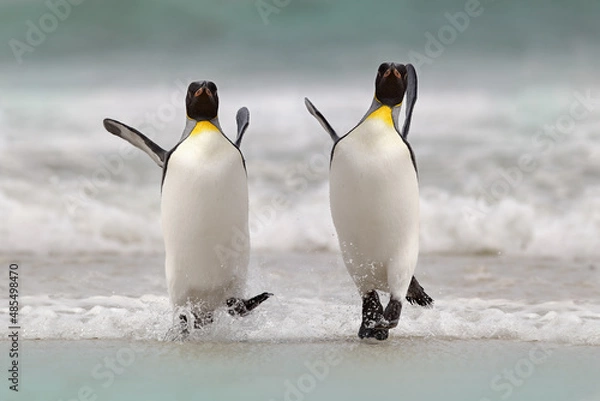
374	196
204	209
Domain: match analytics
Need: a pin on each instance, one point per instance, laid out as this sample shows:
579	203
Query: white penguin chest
204	208
374	191
205	169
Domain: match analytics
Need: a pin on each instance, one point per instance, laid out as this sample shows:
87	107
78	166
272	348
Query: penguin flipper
417	295
137	139
321	119
411	97
242	118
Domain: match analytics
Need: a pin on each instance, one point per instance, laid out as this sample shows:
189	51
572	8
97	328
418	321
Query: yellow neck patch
202	126
383	113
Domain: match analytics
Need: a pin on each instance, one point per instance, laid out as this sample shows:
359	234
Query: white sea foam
149	317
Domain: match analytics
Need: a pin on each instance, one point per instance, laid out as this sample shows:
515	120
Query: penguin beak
392	71
203	90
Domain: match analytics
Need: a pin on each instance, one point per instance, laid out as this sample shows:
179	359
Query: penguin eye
212	87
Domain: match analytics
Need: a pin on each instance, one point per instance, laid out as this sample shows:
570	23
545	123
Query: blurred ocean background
507	141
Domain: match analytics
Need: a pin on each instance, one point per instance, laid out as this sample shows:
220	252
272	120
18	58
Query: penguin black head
390	84
202	101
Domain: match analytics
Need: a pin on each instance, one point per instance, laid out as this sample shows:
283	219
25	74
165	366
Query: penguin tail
416	294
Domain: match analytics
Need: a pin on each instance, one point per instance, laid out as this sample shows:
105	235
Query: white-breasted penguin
204	208
374	196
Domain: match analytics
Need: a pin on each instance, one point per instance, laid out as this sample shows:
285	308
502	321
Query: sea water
500	327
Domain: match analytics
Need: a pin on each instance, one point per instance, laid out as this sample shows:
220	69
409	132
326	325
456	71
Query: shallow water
402	368
107	296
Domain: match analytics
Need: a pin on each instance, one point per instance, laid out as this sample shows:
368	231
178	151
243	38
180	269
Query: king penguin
204	209
374	200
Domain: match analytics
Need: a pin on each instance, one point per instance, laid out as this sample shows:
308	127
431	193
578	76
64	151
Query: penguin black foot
184	326
378	334
200	320
416	294
372	316
391	315
242	307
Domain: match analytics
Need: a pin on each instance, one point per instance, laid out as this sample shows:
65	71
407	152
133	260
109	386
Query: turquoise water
399	369
138	41
301	29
